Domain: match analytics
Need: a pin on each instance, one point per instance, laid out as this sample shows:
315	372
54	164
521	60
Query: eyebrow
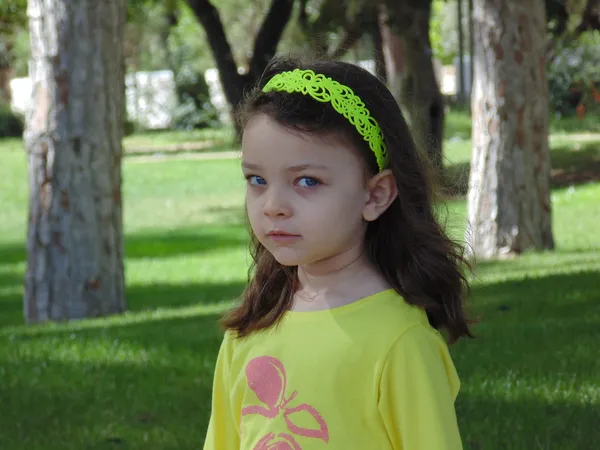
298	168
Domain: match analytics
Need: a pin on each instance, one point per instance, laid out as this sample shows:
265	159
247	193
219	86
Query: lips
280	233
282	238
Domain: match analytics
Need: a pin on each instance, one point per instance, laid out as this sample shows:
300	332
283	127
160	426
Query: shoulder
421	354
418	337
395	317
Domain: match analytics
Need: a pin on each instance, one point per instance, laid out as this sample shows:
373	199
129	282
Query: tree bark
265	46
5	77
378	50
393	53
509	188
73	141
416	87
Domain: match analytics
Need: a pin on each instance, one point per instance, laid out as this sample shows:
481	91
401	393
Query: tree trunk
265	46
590	19
418	91
73	141
378	52
393	53
5	77
509	193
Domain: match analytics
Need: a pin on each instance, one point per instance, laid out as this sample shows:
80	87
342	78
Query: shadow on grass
159	296
571	165
156	377
139	298
489	423
184	242
160	244
129	386
11	301
557	296
121	384
529	376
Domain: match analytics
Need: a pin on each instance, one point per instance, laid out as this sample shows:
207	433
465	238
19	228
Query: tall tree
73	141
402	50
265	45
416	87
509	188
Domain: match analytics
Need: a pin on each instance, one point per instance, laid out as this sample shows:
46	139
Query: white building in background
217	95
20	91
445	75
151	96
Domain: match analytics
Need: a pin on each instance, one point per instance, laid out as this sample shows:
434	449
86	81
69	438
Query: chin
287	257
287	260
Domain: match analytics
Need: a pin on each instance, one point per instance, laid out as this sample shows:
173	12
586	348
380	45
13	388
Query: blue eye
256	180
308	182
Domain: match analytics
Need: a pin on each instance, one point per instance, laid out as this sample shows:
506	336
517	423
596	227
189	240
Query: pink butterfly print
280	442
267	378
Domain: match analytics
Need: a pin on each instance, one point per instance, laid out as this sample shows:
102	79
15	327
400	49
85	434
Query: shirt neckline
344	309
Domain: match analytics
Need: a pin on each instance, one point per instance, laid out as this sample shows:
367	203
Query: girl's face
305	197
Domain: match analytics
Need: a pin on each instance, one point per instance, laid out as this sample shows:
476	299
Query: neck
337	281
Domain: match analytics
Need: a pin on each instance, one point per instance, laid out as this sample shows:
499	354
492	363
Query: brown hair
406	244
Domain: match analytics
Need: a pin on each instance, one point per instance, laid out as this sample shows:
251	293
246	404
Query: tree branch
209	18
591	17
269	35
355	30
302	15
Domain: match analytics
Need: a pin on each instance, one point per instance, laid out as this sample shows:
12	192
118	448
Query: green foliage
11	123
189	59
194	109
443	30
439	32
20	54
166	35
13	14
573	74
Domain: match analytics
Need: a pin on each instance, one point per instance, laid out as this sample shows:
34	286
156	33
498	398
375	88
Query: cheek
253	209
337	212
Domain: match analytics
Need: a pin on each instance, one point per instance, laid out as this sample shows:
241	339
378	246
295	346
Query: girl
336	343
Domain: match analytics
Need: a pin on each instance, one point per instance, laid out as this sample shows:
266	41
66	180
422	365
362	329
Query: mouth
282	236
280	233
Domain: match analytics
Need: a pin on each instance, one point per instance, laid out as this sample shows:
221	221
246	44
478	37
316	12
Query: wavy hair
407	244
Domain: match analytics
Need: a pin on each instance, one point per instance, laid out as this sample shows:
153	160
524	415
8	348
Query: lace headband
342	98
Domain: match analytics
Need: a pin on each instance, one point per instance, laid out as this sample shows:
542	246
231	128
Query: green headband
342	98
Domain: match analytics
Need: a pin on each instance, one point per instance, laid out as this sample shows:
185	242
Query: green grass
458	124
531	380
166	138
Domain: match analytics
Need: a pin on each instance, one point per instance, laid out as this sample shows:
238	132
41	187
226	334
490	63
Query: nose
276	204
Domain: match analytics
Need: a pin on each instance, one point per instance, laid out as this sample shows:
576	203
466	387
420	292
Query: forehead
266	142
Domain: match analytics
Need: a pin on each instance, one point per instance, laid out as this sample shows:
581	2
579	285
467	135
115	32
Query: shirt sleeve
223	433
417	390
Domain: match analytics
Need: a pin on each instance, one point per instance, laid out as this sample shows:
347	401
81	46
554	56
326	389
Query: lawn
531	379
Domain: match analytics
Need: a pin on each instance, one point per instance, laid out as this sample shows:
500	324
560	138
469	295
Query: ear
382	191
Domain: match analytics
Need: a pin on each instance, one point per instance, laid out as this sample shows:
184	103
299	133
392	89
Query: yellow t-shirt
370	375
